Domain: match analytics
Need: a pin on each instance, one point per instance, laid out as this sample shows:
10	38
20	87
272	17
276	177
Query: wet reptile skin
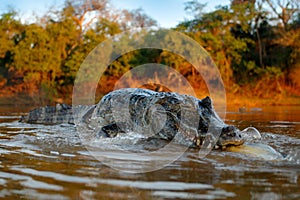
163	115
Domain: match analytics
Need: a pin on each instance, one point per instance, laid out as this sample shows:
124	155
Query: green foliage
222	33
244	40
10	28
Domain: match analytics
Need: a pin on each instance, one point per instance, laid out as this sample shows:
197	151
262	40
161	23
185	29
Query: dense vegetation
254	43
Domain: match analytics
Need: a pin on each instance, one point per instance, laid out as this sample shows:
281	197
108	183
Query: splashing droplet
251	133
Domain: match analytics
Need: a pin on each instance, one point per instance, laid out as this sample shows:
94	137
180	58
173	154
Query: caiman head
230	135
210	122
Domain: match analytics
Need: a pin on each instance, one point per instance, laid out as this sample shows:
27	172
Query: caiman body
164	115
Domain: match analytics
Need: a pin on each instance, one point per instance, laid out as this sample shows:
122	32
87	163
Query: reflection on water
49	162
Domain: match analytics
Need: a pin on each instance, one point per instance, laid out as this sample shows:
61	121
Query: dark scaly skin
50	115
166	115
138	102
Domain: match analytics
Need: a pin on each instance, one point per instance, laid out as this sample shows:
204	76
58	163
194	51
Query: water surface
49	162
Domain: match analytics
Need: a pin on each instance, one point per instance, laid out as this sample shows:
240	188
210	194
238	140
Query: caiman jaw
230	136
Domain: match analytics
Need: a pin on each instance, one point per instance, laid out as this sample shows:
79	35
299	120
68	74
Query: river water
50	162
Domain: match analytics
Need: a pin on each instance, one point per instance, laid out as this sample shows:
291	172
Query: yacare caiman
164	115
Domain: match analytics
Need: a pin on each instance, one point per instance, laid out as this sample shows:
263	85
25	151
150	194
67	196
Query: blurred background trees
254	43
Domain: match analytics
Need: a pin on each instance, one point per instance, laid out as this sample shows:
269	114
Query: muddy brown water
49	162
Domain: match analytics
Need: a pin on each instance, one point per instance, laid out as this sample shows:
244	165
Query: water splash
254	146
258	151
250	134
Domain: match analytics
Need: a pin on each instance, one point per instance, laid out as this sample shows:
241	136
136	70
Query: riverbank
232	100
253	101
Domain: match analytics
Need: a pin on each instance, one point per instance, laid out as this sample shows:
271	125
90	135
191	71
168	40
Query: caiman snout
230	135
